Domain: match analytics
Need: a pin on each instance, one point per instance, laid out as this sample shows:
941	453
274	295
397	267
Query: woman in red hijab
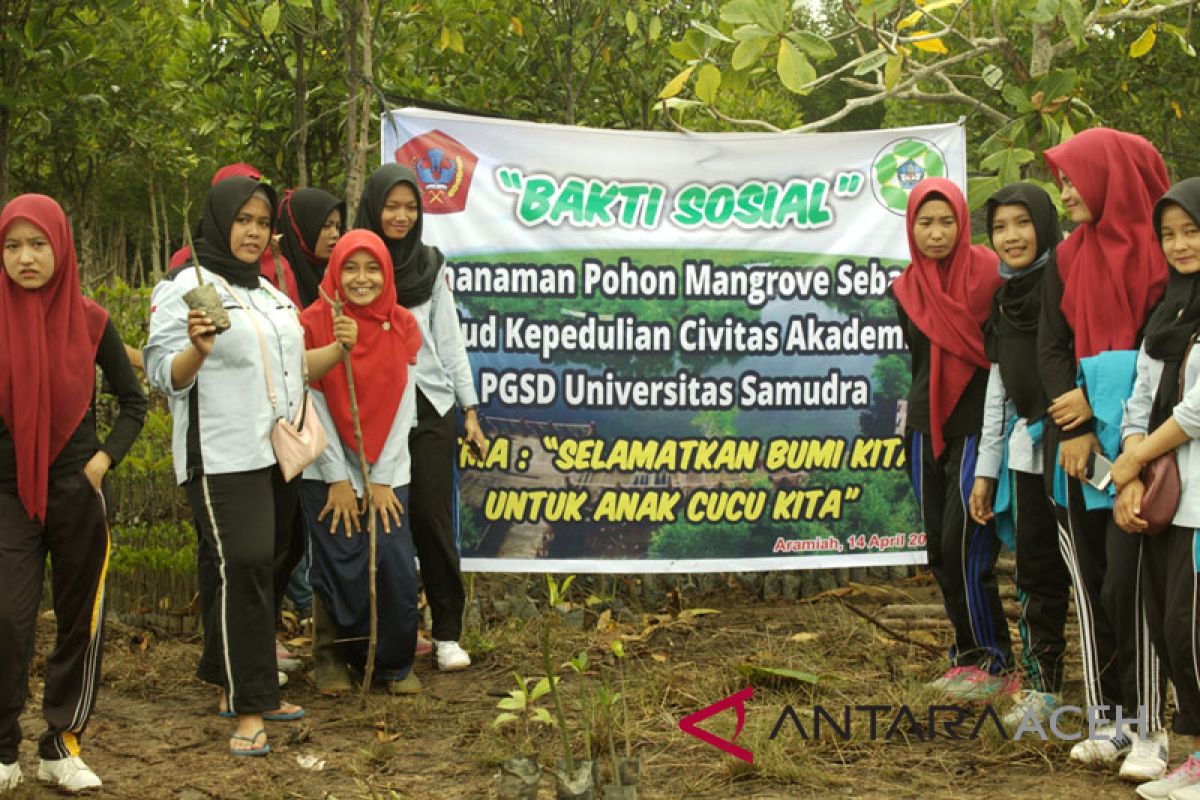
52	466
943	299
1110	274
332	496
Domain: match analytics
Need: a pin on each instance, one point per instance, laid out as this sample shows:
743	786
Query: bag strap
262	346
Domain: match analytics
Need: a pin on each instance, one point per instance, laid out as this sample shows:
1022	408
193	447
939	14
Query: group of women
376	354
1032	363
1027	358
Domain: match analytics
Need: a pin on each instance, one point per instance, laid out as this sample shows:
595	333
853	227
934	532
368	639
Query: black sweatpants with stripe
75	535
1043	583
1120	667
962	554
433	498
242	515
1169	587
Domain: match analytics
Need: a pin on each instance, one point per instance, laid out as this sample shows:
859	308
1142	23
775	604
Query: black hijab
415	263
302	215
1177	315
221	205
1011	327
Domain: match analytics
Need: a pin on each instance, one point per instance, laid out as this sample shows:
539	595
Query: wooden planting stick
373	638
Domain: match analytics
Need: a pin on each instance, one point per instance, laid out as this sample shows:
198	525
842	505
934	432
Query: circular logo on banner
900	166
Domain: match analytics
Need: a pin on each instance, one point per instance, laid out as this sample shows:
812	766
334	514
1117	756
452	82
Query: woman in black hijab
1170	561
1024	231
391	207
311	220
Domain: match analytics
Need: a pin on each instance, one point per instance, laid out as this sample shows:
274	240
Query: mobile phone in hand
1099	471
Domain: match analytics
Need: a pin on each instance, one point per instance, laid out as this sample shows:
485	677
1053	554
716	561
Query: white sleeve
991	438
393	468
1137	408
448	339
168	337
330	466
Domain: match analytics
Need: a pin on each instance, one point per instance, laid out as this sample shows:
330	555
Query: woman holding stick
391	208
218	387
380	402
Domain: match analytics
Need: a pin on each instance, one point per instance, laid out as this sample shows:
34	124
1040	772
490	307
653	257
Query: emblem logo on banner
900	166
444	168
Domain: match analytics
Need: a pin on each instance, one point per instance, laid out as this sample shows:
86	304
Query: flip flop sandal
285	716
259	751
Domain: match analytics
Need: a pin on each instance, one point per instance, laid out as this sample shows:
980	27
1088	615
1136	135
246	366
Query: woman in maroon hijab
943	299
1110	274
52	467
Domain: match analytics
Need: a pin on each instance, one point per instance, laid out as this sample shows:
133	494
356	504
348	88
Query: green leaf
1072	16
329	9
748	52
1009	134
814	46
748	32
872	62
617	647
992	76
504	719
1181	35
514	702
631	22
543	716
683	50
1144	43
540	689
655	28
708	80
1058	84
980	189
270	19
738	12
757	672
1051	128
1016	98
709	30
891	71
937	5
793	68
1044	12
770	14
1007	163
675	85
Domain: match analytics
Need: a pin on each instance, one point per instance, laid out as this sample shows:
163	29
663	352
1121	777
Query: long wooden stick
373	638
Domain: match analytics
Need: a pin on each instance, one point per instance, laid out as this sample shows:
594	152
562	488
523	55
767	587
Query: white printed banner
686	356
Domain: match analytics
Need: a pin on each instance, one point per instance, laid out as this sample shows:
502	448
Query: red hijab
1112	268
388	341
47	353
948	300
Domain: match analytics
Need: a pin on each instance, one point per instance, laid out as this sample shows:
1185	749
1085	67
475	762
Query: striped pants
76	537
242	515
962	554
1169	590
1120	667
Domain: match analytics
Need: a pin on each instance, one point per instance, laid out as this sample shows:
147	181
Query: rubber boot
330	671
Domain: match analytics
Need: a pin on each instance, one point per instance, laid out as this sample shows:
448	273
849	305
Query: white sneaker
450	656
69	774
1147	759
10	776
1185	775
1030	703
1186	793
1102	750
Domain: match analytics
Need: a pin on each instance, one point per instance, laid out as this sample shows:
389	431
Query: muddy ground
155	733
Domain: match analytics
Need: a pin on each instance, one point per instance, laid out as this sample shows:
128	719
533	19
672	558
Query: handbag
297	443
1163	488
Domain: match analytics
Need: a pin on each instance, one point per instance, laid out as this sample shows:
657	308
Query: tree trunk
358	111
300	112
156	258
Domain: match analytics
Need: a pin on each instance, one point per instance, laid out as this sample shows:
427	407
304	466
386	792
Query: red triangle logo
737	701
